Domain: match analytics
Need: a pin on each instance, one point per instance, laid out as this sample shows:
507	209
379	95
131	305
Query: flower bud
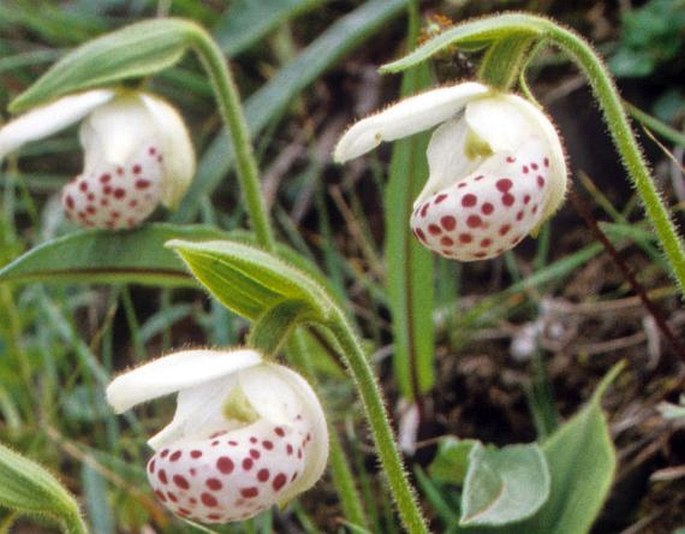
246	435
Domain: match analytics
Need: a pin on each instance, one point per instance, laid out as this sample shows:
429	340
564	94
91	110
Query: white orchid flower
137	153
496	167
246	435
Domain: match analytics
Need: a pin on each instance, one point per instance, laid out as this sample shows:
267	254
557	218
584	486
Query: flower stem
232	113
626	144
355	359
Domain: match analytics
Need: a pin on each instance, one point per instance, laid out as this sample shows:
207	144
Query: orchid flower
247	434
137	153
496	167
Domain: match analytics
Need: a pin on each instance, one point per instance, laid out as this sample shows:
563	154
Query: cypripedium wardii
247	434
496	166
137	154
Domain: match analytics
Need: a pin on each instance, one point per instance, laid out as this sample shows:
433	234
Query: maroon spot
294	476
511	159
120	171
232	443
263	475
465	238
279	431
151	466
299	454
160	496
519	215
195	454
447	252
478	178
535	209
424	210
248	493
541	181
524	169
516	240
152	151
142	184
534	166
487	208
526	199
162	476
90	210
469	200
253	440
160	158
279	481
104	202
434	229
480	254
504	229
214	484
172	496
82	214
214	443
136	169
83	186
486	242
508	200
255	454
105	178
192	472
116	215
247	464
446	241
175	456
107	190
181	482
504	185
268	445
289	447
209	500
69	200
473	221
214	517
461	184
91	197
545	162
440	198
183	511
217	434
448	222
225	465
119	192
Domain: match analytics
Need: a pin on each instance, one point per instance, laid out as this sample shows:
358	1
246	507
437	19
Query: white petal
115	131
175	372
50	118
499	122
199	412
407	117
317	455
543	127
447	160
177	149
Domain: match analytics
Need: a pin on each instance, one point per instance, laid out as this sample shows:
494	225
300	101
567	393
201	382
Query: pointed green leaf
28	488
102	256
473	34
249	281
137	50
504	485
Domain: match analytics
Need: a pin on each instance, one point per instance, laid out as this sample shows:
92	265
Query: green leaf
102	256
582	462
246	22
28	488
504	485
271	100
409	265
137	50
100	511
452	459
249	281
471	35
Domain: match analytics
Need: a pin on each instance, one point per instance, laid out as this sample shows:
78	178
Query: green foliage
452	460
137	50
503	486
651	36
28	488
